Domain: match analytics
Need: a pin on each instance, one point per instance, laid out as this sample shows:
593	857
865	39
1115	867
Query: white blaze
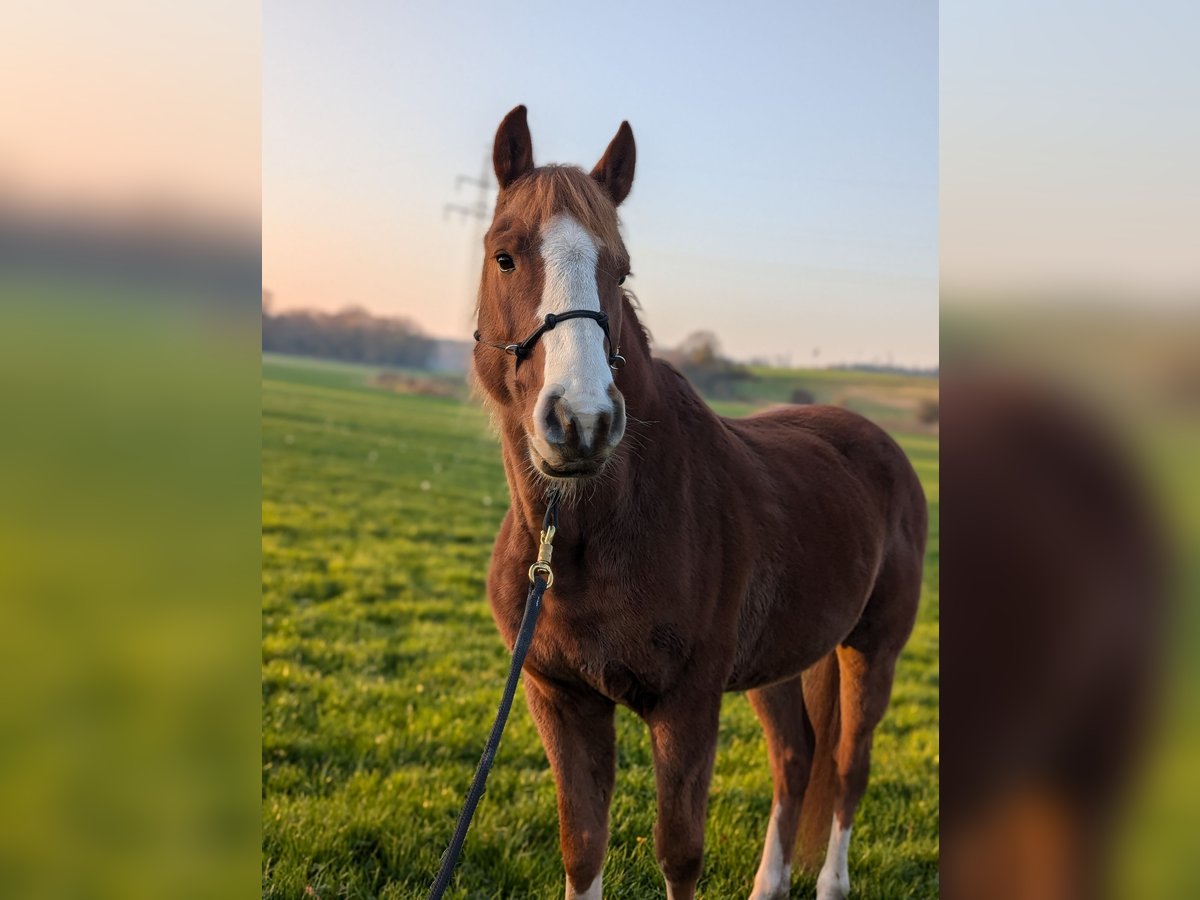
834	881
576	358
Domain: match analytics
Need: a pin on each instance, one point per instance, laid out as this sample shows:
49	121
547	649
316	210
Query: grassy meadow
381	670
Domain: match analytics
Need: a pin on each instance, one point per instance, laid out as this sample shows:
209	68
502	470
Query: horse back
839	506
831	450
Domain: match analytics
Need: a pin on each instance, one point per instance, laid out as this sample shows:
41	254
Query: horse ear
615	169
512	156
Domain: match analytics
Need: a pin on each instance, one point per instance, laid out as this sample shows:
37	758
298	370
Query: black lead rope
541	578
523	349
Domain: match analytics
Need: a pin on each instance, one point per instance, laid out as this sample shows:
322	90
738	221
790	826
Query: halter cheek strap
523	349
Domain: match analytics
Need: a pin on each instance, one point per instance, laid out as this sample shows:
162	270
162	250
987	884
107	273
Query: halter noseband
523	349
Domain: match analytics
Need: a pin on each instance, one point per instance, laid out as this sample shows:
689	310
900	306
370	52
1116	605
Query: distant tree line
876	368
351	334
699	359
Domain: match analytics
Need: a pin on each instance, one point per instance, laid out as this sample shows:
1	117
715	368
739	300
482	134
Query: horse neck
627	480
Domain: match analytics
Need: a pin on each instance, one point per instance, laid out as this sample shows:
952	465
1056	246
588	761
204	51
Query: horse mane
632	308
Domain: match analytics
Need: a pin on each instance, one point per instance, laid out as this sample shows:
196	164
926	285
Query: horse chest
631	665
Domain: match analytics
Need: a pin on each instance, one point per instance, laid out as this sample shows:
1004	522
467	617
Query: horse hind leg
866	665
865	688
780	708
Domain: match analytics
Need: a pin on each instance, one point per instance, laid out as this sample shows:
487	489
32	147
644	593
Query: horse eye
621	280
505	262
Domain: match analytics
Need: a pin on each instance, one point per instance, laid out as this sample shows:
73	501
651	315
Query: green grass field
381	670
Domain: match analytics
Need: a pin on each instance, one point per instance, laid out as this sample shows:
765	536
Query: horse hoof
832	888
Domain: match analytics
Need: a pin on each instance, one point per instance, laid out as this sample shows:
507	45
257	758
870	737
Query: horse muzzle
572	442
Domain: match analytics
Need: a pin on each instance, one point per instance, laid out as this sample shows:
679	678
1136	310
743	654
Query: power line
479	209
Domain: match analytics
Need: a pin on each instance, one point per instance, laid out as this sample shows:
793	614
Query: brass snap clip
545	551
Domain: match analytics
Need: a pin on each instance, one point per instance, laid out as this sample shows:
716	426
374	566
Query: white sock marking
591	892
774	878
834	881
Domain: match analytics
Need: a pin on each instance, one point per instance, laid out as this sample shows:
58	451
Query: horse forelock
553	190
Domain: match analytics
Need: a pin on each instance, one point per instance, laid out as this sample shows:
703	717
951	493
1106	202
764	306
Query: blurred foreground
129	574
1071	434
130	284
1070	702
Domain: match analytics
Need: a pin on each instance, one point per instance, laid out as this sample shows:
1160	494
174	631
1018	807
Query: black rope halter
523	349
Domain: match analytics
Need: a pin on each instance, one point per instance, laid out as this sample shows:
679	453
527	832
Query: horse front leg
683	736
576	726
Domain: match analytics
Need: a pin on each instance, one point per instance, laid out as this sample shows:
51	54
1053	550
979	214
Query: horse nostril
616	428
601	430
576	435
552	425
551	418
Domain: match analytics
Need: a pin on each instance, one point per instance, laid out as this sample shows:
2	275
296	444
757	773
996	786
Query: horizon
785	197
270	308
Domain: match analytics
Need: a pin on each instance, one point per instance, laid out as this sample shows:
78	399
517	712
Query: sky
786	193
131	105
1069	147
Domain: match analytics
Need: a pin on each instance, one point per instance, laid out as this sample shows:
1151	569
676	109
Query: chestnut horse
779	554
